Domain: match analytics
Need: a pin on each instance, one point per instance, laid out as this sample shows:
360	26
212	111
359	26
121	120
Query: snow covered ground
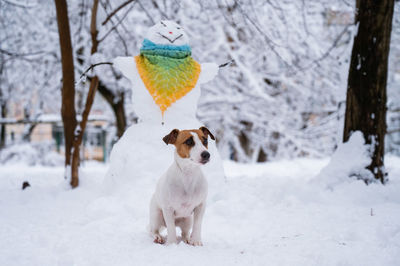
264	214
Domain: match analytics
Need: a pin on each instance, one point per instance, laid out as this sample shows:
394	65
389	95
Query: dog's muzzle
205	157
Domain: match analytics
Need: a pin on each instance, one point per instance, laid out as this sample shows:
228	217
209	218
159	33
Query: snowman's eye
178	28
163	24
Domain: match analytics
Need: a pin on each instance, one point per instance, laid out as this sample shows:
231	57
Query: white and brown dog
180	196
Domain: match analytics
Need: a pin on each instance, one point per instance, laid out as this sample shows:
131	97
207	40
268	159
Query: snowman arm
208	72
127	66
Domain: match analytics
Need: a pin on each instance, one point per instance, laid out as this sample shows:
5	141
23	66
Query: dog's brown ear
171	137
207	132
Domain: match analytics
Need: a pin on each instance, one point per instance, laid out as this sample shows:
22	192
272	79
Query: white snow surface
265	214
349	160
38	154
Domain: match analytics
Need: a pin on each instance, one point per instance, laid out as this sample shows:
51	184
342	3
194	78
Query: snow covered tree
366	90
29	73
73	129
108	34
68	87
283	97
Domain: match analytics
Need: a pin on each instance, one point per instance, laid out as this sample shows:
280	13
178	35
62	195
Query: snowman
165	91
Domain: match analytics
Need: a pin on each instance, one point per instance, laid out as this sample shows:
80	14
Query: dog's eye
205	141
189	142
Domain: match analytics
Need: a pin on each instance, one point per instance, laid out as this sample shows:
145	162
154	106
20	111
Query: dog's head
191	144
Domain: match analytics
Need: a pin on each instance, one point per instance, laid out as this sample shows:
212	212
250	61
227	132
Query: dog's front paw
158	239
194	242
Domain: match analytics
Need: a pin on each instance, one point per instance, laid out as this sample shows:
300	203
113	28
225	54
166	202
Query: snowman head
167	32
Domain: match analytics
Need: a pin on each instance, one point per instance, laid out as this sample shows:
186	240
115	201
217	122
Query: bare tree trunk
366	90
117	107
3	106
93	27
3	112
116	102
68	87
28	132
89	102
78	140
73	138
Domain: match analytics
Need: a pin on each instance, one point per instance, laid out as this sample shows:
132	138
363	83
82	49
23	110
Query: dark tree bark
88	104
116	102
3	107
73	135
28	132
79	137
68	82
3	113
117	106
366	89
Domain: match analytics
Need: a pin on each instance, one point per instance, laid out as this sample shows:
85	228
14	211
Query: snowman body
140	155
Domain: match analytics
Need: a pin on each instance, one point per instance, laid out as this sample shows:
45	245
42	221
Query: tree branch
116	25
16	3
78	134
110	63
329	50
14	54
227	63
93	66
116	11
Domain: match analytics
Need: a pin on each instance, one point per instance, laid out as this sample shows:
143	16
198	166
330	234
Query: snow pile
31	154
140	155
349	160
266	214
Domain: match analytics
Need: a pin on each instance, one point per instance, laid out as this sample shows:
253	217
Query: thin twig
146	12
93	66
329	50
116	10
116	25
227	63
16	3
269	41
116	30
20	54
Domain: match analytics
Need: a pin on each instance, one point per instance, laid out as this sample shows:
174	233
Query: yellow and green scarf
168	72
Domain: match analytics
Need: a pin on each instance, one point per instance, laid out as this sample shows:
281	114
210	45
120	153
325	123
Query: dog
181	192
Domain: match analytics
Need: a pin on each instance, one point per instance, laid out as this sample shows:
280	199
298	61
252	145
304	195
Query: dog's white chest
186	193
184	210
185	200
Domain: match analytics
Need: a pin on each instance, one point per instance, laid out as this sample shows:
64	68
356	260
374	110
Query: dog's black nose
205	155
